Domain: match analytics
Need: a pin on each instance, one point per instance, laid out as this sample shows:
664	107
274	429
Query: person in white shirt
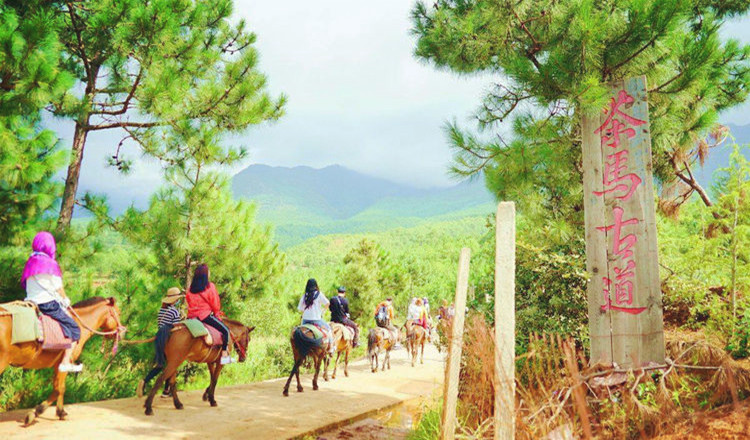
42	279
312	304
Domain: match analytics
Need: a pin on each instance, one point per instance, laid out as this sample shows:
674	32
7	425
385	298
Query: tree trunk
74	173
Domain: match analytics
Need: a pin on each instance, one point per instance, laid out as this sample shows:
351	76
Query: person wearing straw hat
168	316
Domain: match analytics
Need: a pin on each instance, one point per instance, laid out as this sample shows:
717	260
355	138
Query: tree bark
74	173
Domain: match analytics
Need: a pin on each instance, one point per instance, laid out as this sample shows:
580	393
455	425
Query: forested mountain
302	202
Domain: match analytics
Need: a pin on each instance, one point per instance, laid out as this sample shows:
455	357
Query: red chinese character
621	245
613	167
613	134
621	289
614	109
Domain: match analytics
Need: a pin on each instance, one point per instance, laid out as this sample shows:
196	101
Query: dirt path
255	411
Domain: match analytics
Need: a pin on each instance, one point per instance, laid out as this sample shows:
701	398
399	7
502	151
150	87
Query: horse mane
232	321
90	302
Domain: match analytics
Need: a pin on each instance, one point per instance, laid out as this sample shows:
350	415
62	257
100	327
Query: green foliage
29	157
553	60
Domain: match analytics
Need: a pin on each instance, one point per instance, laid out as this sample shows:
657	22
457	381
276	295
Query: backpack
382	315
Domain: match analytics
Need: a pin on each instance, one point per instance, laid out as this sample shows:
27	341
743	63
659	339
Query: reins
117	332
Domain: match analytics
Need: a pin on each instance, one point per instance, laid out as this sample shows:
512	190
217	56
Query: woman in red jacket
204	304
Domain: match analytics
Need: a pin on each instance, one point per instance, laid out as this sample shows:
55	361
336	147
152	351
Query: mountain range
302	202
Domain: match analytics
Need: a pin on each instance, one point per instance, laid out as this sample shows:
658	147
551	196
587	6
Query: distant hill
302	202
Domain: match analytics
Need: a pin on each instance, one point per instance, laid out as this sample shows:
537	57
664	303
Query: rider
339	308
412	313
311	305
421	318
384	314
168	316
204	304
42	279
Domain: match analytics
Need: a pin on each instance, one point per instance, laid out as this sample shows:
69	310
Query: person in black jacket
339	308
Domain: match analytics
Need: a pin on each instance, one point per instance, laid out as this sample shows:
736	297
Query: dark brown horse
381	340
95	315
305	345
416	336
183	346
342	340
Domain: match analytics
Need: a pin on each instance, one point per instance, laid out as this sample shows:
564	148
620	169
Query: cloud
357	95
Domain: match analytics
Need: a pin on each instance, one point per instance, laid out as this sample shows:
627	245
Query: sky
357	96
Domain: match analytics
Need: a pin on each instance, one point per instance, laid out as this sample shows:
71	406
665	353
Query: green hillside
304	202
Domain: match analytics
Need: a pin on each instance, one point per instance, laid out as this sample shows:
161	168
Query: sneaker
140	387
227	360
70	368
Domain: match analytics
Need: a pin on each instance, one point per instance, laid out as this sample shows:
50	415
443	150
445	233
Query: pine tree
146	67
552	61
29	79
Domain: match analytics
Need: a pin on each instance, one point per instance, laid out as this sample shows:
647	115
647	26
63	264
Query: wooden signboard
624	295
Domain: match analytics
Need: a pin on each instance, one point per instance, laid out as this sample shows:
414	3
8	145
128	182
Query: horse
95	315
304	345
381	339
182	346
343	345
416	336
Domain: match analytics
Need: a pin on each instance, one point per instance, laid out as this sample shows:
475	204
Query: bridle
118	332
237	346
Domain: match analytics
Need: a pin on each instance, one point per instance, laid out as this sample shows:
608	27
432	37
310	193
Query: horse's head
111	325
101	316
240	334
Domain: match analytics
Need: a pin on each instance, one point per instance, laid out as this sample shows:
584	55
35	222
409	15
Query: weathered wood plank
453	363
505	321
597	266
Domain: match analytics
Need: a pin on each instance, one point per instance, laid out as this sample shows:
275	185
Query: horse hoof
30	417
315	388
300	389
205	397
285	393
61	414
178	406
149	412
325	379
346	373
214	404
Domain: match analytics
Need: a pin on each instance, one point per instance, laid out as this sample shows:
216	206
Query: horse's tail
372	342
303	343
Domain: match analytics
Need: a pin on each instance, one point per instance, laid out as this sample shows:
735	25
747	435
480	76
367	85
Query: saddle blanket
30	327
199	330
317	332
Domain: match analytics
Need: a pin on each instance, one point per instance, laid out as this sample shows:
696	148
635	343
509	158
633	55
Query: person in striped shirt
168	316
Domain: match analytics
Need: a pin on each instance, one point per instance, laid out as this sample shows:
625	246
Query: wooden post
624	292
505	321
453	363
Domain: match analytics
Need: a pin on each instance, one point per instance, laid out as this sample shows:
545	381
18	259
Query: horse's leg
210	374
336	364
318	360
295	369
421	357
326	363
169	370
214	381
346	361
39	410
173	389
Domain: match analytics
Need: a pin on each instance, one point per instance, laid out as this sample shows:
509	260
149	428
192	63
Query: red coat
202	304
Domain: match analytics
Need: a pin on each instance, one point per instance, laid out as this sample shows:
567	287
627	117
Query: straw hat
173	295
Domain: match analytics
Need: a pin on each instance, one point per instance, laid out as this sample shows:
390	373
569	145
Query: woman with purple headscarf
42	279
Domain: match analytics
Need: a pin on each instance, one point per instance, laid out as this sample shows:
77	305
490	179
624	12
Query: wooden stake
453	363
505	321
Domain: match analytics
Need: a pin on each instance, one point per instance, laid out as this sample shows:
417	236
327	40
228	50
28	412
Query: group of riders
42	280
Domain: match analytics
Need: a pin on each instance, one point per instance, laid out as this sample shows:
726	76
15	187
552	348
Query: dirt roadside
254	411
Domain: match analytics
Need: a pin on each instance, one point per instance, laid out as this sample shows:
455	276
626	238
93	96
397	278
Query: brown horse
381	339
305	345
416	336
95	315
182	346
342	340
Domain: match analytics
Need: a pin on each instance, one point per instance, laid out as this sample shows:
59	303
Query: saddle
321	332
197	329
31	326
346	331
